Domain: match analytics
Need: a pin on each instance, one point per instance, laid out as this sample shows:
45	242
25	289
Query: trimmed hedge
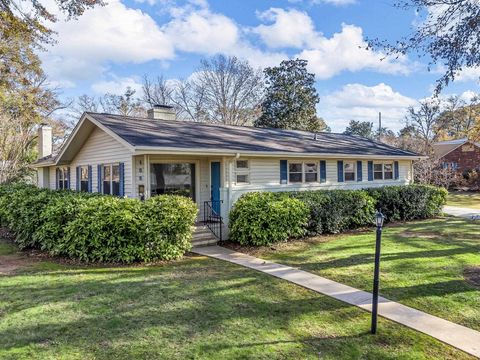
333	211
265	218
404	203
93	227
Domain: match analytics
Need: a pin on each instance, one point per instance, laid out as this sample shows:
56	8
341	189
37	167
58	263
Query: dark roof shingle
142	132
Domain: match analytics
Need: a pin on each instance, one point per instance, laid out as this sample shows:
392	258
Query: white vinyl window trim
303	168
383	171
349	171
63	180
242	172
112	190
84	178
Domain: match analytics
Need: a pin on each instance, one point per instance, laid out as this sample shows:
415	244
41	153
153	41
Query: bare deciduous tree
224	90
424	120
16	138
431	172
126	104
232	88
157	91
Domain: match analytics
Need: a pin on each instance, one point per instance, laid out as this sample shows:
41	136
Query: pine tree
290	98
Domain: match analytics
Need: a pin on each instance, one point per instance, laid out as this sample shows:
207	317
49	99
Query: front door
215	186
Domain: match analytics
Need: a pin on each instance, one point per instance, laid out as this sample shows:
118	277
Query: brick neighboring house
460	155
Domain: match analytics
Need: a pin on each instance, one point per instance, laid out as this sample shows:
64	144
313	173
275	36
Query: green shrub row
93	227
264	218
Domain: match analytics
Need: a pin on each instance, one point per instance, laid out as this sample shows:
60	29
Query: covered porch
205	179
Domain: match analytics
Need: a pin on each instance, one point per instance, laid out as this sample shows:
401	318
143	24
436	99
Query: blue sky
112	47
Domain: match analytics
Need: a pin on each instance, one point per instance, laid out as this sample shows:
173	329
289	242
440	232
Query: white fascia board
73	135
203	152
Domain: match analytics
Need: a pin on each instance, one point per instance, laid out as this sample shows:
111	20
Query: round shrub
25	204
265	218
110	229
55	217
333	211
168	228
409	202
94	227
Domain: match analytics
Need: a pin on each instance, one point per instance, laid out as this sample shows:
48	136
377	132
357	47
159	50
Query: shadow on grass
195	301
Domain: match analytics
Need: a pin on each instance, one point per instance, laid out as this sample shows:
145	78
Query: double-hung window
383	171
311	172
242	172
302	172
62	178
349	170
295	171
84	178
111	179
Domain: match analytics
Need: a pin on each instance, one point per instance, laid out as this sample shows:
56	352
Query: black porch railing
212	218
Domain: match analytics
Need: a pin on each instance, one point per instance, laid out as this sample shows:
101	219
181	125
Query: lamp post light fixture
379	222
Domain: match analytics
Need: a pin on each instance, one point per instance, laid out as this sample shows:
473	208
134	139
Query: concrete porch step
202	236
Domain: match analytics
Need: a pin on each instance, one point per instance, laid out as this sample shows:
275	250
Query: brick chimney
45	140
162	112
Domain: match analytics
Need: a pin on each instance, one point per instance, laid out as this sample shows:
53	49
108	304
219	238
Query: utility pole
379	126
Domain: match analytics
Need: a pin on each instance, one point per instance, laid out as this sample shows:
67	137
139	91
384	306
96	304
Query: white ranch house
212	164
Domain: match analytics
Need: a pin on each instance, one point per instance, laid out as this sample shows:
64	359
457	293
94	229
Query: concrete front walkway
458	336
466	213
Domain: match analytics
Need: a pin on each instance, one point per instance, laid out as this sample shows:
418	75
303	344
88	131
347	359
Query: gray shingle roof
141	132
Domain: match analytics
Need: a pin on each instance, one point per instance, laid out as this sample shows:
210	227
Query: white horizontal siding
100	148
265	176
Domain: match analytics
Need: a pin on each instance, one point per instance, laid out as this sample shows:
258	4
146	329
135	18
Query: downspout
146	166
412	179
230	180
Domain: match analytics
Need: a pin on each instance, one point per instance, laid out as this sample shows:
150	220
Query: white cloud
117	86
327	56
346	50
363	103
335	2
201	31
329	2
469	74
287	28
117	34
112	33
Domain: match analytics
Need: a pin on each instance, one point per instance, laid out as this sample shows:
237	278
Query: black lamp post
379	221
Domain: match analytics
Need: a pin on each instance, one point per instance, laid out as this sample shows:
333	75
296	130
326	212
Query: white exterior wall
100	148
265	176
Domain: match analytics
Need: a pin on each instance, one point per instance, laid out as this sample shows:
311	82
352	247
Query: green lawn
422	264
195	308
464	199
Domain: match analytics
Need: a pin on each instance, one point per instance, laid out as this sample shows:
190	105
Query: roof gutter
230	153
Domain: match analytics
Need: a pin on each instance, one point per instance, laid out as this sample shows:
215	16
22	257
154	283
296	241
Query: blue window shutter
99	177
340	170
359	170
323	171
57	177
370	171
68	178
283	171
77	185
121	169
90	178
396	170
